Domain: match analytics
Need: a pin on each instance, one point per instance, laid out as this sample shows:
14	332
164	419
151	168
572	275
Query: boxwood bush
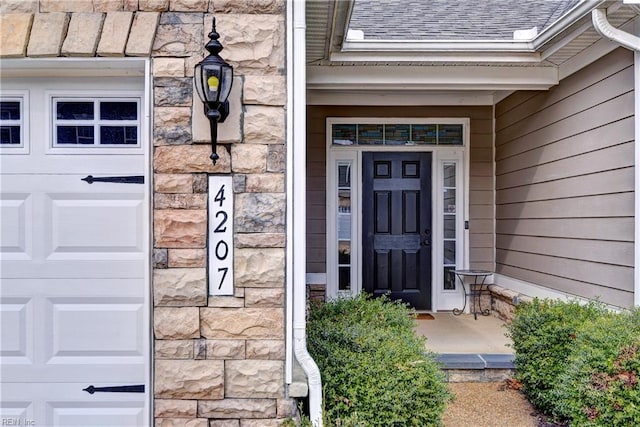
374	368
579	363
543	334
602	385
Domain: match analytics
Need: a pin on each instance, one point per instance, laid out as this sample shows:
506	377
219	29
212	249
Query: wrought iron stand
476	289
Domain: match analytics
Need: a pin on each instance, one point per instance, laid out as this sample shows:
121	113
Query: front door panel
397	226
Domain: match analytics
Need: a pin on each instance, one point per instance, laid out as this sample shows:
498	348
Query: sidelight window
344	220
449	219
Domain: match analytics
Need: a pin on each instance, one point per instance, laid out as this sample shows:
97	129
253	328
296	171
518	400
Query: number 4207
220	250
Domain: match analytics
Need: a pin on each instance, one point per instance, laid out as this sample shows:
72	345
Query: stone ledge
504	301
476	361
478	376
517	298
476	367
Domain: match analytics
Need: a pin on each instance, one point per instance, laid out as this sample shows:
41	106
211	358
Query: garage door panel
90	414
60	269
88	374
94	329
66	404
78	233
16	327
16	226
16	410
94	226
115	288
96	336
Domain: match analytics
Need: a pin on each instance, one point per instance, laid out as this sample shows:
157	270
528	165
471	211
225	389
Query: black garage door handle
134	179
116	389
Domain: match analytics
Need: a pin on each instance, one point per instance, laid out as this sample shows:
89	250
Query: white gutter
608	31
296	190
581	10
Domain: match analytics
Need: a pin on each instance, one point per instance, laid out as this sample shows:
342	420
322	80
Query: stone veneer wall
219	361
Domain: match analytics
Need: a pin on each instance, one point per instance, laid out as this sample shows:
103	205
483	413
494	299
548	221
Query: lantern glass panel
197	77
226	82
211	82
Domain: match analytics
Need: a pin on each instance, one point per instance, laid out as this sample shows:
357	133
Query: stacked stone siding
218	361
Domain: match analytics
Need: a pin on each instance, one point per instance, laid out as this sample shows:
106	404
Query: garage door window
96	122
12	124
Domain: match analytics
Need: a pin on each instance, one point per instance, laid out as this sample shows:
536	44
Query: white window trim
21	96
441	153
93	96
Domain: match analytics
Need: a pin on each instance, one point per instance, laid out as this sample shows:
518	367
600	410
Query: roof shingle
453	19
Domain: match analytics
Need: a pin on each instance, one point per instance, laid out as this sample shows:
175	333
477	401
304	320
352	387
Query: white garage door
73	295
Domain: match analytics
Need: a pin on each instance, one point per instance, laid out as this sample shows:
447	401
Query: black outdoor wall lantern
213	80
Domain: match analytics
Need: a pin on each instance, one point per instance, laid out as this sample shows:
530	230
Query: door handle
426	242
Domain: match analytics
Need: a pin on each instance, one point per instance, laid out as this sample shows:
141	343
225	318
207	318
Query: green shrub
543	333
374	368
602	385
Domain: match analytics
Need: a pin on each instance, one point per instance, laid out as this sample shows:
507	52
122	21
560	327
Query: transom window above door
396	134
95	122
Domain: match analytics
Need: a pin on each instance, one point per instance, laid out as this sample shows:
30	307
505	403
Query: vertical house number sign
220	235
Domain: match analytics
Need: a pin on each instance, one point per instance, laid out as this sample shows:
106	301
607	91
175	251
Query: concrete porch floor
449	334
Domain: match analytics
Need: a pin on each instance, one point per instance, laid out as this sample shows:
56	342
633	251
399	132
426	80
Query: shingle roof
453	19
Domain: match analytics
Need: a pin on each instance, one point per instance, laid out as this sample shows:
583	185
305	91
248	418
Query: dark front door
397	226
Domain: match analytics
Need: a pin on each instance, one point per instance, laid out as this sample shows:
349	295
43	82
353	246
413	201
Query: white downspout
296	188
608	31
632	42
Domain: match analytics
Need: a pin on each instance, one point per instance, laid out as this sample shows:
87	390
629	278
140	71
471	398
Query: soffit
620	17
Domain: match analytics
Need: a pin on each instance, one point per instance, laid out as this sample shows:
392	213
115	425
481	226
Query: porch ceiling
483	68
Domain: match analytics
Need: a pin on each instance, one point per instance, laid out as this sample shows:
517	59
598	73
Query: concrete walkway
463	334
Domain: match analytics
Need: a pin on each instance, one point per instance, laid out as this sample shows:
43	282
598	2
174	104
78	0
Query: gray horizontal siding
565	183
481	175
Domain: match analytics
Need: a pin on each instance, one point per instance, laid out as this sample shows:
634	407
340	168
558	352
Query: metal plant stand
475	291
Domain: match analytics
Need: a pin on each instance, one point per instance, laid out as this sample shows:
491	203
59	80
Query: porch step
476	367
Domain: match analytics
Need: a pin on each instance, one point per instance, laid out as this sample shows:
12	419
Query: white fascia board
73	67
491	46
403	51
430	78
